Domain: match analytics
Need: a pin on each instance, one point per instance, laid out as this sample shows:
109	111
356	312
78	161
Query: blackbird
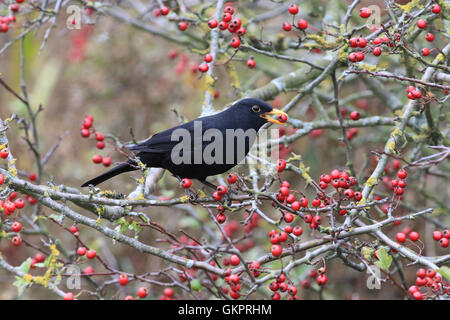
212	145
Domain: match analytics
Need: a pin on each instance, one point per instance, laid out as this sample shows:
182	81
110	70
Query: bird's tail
121	168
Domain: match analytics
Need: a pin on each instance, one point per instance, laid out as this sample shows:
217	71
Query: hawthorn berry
251	63
322	279
222	189
229	9
16	241
2	179
16	226
402	174
74	229
362	42
376	51
168	292
293	9
221	218
414	236
295	206
234	260
91	254
429	37
289	217
217	196
226	17
307	218
4	153
435	8
81	251
208	58
303	202
100	145
437	235
364	13
182	25
276	296
203	67
235	42
444	242
302	24
212	23
288	229
281	165
85	133
142	292
425	52
164	11
287	26
401	237
274	286
68	296
97	158
19	203
123	279
276	250
355	115
421	24
186	183
223	25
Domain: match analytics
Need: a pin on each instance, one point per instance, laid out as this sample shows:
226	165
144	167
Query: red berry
223	25
185	183
307	218
417	295
276	250
235	42
355	115
106	161
81	251
226	17
303	202
414	236
2	179
288	217
401	237
85	133
97	158
203	67
444	242
232	178
212	23
298	230
429	37
208	58
302	24
287	26
16	226
364	13
164	11
425	52
421	24
437	235
17	240
229	9
182	25
168	292
322	279
435	8
402	174
14	7
376	51
281	164
19	203
123	279
4	153
221	218
234	260
91	254
293	9
68	296
251	63
362	42
217	196
142	292
222	189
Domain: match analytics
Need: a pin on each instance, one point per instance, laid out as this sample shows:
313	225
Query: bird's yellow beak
281	116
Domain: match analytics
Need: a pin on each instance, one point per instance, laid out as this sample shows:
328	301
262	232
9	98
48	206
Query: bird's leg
192	196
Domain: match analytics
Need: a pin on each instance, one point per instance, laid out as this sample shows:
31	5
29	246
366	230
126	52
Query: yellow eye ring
256	108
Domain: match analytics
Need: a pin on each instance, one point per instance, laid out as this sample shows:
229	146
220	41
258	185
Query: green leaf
445	272
384	259
25	266
21	285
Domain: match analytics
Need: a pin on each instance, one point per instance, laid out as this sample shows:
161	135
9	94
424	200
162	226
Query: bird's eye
256	109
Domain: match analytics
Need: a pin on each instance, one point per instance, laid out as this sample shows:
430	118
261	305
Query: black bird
225	130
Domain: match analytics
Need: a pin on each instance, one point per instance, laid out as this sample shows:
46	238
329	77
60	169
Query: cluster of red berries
428	279
9	206
90	254
319	275
280	285
443	237
413	93
5	21
85	131
302	24
397	185
234	26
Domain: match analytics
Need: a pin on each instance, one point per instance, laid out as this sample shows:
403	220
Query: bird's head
260	111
